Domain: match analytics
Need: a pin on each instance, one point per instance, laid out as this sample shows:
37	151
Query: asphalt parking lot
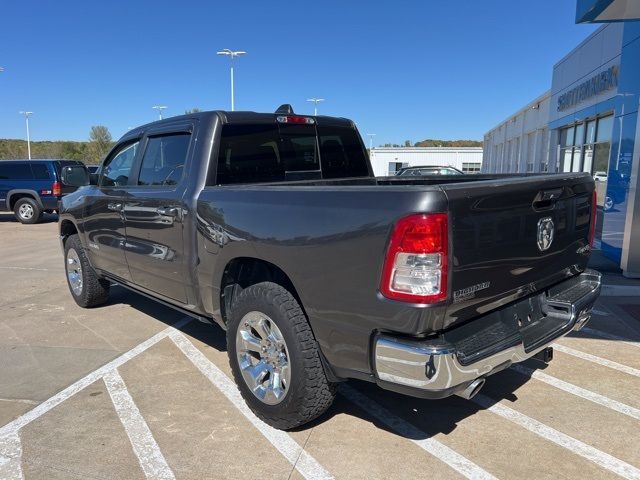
134	390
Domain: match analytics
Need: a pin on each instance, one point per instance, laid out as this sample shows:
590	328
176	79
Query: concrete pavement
114	392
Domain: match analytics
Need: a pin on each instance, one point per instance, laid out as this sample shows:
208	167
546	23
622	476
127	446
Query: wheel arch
67	228
242	272
14	195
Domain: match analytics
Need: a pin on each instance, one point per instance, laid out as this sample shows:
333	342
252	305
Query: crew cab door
154	213
104	212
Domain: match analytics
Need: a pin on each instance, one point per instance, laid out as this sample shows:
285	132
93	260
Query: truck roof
244	117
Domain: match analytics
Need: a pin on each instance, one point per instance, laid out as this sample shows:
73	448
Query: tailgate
500	238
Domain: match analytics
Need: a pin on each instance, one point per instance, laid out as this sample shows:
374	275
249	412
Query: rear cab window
260	153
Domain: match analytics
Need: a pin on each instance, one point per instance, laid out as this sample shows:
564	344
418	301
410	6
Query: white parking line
599	360
456	461
11	457
588	452
282	441
25	268
579	391
153	463
608	336
14	426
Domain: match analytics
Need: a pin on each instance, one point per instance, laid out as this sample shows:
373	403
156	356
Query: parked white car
600	176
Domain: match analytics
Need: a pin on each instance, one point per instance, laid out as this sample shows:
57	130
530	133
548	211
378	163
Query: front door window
117	169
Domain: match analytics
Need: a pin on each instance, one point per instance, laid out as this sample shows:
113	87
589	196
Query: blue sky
402	70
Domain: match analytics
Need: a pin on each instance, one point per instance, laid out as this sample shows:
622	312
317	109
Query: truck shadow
425	418
9	217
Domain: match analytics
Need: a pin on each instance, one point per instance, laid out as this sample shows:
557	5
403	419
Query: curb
620	290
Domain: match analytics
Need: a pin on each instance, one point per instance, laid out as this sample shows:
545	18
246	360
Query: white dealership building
586	122
388	160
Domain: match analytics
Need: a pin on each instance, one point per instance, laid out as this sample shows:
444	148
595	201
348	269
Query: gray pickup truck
272	226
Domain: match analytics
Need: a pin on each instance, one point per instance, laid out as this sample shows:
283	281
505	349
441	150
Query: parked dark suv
30	188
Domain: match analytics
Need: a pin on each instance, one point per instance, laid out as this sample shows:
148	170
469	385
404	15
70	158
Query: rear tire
289	344
27	211
87	289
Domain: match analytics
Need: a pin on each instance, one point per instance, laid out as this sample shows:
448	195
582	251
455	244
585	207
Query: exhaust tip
581	322
472	389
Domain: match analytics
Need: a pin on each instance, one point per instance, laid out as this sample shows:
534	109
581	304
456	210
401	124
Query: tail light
592	223
56	189
416	265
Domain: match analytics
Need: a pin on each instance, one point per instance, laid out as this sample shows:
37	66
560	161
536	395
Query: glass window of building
531	151
591	131
605	127
471	167
579	138
567	137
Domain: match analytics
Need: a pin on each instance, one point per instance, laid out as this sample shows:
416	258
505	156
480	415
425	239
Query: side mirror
93	178
75	176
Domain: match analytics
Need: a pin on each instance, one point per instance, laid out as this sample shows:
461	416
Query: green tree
100	143
192	110
407	143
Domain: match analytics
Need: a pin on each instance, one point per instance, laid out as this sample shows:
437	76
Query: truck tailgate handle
546	199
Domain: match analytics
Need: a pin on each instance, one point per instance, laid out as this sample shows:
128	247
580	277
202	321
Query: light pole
315	104
371	135
159	108
26	119
232	54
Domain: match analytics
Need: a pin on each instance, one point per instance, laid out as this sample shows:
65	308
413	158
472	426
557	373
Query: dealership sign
597	84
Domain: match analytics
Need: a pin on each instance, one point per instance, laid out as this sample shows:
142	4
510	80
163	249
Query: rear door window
164	159
250	154
40	171
275	153
15	171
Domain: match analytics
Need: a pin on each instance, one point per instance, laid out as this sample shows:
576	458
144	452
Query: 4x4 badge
546	231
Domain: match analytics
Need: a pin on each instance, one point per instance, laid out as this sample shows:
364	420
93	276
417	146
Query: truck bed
330	237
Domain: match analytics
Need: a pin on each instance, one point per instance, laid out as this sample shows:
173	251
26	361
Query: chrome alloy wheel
74	271
26	211
263	357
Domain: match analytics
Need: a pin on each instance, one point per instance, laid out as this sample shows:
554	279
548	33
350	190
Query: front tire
275	359
87	289
27	211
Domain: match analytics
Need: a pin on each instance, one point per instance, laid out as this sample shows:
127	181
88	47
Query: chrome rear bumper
433	368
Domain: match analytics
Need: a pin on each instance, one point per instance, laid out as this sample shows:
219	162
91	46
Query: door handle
116	207
168	211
